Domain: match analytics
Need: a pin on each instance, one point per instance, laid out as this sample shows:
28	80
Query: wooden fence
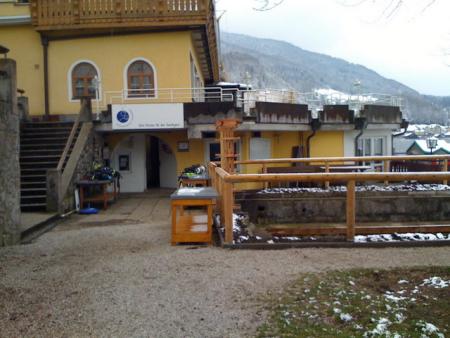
224	182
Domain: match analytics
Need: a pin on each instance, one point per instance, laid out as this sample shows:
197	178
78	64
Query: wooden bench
192	227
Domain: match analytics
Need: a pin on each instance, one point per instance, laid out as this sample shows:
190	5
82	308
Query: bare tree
389	7
266	5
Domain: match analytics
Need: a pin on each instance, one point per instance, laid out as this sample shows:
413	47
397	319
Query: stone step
41	152
43	146
65	129
29	166
33	199
29	207
41	140
33	191
33	185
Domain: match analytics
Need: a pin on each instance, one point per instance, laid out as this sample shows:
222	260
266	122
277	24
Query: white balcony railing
245	99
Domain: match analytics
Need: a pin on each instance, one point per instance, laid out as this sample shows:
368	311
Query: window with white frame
197	84
82	80
140	79
371	146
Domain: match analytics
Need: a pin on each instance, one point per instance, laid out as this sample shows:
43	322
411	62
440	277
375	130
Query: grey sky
408	46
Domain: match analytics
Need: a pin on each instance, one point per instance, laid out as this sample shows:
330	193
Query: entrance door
153	164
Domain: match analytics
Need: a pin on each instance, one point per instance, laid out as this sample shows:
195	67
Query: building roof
442	146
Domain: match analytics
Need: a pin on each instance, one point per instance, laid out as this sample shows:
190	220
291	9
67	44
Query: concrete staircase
41	147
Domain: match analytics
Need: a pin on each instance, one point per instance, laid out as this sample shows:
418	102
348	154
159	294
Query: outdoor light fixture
4	51
432	144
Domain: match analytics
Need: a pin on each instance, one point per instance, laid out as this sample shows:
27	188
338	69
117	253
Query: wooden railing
46	13
69	142
326	162
224	182
51	15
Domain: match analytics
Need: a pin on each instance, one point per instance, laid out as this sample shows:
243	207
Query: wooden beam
358	159
227	195
323	177
305	230
444	169
350	211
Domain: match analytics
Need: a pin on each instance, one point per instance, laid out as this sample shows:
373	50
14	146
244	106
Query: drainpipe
403	125
45	42
315	125
360	124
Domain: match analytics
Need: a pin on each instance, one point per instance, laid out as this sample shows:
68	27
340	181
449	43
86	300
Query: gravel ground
123	279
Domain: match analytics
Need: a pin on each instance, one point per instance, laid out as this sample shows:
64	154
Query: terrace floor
116	274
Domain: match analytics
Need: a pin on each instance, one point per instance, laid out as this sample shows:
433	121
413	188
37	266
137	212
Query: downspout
45	43
315	125
360	124
403	125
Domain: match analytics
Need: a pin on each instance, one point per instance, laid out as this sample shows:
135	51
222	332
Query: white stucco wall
349	140
134	180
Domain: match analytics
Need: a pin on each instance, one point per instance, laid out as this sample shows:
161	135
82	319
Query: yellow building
151	69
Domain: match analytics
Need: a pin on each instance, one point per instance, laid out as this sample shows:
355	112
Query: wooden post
387	168
351	211
227	196
445	168
327	170
264	171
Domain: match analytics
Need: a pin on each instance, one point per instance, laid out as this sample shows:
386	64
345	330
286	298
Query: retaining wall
330	207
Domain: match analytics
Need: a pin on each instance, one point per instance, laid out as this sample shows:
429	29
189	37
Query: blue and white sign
147	116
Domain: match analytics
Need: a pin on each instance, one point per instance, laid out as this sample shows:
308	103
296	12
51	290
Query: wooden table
104	196
192	228
194	181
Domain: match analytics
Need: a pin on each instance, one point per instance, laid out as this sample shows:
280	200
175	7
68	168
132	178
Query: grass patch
362	303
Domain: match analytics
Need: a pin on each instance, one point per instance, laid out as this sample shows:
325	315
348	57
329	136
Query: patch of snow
403	281
429	329
345	317
352	283
399	317
270	241
389	296
381	328
361	188
436	282
337	310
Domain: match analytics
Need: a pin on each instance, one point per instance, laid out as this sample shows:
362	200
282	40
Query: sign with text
147	116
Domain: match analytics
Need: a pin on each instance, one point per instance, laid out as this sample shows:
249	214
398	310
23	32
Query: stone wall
90	153
329	207
9	155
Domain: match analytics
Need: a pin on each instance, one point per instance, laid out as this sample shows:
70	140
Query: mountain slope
278	64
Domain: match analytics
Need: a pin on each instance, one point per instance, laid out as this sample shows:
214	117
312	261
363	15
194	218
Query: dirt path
91	278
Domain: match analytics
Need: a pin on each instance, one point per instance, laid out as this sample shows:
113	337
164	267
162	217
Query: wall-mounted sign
147	116
183	146
124	162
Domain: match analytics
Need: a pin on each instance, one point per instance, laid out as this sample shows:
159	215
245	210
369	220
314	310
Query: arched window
83	75
140	79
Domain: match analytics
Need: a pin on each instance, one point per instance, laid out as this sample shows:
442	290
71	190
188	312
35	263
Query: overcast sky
407	46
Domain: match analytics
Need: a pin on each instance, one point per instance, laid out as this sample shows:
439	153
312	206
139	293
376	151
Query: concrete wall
134	180
330	207
9	155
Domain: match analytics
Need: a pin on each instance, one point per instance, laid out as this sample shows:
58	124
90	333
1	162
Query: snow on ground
436	282
361	188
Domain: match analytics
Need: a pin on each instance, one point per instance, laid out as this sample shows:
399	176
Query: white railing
244	98
166	95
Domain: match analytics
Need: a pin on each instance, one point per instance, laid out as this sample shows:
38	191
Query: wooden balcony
63	17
